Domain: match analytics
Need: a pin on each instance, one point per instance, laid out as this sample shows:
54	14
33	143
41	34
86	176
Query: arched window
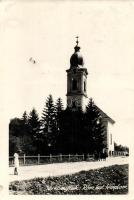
74	104
111	139
74	84
84	86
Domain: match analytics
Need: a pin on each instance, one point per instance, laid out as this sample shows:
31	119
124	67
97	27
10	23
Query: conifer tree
94	128
59	110
25	118
34	132
59	105
49	122
34	123
24	124
65	132
59	121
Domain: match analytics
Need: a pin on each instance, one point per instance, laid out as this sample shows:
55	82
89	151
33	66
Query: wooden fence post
50	157
76	156
69	157
61	157
38	159
83	156
24	159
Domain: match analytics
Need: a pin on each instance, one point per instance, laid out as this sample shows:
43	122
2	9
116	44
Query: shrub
107	180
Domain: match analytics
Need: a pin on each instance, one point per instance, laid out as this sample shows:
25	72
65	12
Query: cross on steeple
77	48
77	42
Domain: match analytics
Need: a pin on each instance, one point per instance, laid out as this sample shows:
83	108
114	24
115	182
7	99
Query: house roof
106	116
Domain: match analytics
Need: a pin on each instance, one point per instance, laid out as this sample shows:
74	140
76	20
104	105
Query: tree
65	137
49	123
25	124
120	148
94	128
15	127
34	130
17	133
34	124
25	134
71	131
25	118
59	109
59	117
59	106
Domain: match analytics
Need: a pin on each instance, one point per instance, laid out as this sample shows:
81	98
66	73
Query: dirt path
57	169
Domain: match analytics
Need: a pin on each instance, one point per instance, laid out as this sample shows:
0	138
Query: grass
107	180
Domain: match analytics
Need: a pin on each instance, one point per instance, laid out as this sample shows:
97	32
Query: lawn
107	180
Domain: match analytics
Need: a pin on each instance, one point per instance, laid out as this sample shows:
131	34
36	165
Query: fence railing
118	153
39	159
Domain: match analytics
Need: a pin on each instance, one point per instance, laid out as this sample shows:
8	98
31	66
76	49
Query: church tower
76	80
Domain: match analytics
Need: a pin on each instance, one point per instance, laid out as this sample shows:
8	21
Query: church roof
106	116
76	59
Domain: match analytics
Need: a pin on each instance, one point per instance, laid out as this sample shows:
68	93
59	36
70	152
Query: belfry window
74	104
74	84
84	86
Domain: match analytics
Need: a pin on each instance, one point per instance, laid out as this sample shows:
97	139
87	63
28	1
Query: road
58	169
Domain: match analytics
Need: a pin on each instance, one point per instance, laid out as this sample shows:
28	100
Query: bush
107	180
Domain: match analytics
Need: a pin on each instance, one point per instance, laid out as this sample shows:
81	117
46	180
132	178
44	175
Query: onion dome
76	59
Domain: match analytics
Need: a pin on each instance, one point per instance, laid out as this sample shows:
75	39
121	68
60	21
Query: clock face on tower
77	101
69	102
74	101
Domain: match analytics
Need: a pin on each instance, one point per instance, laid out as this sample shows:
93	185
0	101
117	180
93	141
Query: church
77	96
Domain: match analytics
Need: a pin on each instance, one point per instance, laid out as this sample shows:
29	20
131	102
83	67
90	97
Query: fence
118	153
38	160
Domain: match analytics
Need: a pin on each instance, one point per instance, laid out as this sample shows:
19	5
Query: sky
46	32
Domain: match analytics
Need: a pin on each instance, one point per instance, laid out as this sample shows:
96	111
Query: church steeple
76	59
76	80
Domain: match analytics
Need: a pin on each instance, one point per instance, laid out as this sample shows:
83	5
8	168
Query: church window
84	86
110	138
74	104
74	84
110	153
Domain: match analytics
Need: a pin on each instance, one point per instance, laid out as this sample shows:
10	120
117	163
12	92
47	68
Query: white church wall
110	137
